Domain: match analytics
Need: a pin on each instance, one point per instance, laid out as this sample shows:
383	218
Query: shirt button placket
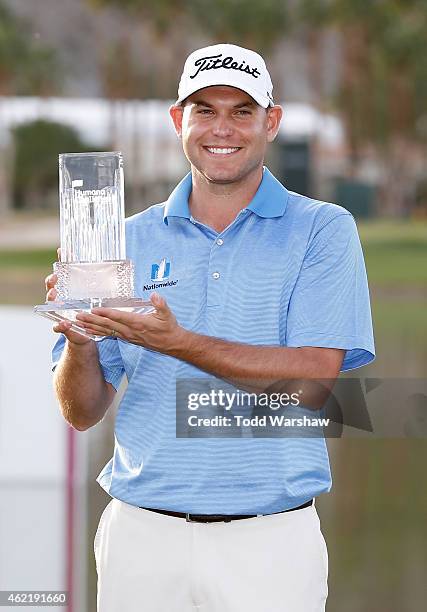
214	284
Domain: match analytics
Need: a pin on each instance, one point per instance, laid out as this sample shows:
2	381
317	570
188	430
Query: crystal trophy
93	270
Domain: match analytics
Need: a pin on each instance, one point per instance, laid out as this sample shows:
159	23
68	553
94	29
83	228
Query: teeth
222	151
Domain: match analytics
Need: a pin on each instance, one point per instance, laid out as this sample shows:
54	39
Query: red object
69	526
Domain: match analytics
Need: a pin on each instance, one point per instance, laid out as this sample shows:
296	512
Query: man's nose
222	127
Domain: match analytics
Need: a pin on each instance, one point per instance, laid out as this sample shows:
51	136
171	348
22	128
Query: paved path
29	232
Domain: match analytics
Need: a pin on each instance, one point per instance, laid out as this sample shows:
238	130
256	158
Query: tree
37	145
26	66
248	22
384	71
383	92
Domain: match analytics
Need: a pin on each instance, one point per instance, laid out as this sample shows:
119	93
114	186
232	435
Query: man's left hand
158	331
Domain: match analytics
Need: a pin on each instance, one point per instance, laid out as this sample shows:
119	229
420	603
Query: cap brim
263	101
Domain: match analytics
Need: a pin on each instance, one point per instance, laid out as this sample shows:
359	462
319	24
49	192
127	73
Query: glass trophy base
67	310
87	280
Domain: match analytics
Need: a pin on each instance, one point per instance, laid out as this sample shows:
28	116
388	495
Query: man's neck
217	205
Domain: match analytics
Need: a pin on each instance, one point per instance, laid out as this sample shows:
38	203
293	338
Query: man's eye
204	111
243	112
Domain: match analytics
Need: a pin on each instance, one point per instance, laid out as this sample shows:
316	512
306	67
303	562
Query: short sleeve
329	306
110	359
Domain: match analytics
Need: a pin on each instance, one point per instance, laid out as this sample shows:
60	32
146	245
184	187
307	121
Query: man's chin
227	176
221	178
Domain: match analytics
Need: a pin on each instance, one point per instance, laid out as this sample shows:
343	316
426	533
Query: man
254	285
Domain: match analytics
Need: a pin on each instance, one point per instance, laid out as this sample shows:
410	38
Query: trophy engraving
93	270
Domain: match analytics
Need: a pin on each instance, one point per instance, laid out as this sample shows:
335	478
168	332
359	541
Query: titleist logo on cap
230	65
211	62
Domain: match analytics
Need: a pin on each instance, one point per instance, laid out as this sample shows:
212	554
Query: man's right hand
64	326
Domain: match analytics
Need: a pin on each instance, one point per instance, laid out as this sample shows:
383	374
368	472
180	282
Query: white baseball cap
226	64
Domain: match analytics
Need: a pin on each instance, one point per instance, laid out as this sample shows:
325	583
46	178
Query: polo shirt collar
177	202
269	201
271	197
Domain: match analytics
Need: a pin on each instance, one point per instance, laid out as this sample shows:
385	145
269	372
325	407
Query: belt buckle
189	519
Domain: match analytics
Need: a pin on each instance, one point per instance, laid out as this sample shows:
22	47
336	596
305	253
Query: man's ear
176	112
273	121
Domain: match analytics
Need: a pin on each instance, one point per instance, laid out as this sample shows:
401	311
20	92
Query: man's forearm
83	394
258	367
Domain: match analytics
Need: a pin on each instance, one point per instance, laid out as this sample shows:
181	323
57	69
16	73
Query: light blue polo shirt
288	271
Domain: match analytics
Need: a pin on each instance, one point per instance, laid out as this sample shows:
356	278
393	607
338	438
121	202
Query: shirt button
216	275
220	241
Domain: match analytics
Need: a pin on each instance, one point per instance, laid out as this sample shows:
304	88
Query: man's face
225	132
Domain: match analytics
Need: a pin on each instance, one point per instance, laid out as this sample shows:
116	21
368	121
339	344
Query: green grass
400	330
387	230
28	259
395	252
402	263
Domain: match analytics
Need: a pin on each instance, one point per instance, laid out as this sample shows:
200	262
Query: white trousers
149	562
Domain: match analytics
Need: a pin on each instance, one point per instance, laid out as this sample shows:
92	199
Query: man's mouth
222	150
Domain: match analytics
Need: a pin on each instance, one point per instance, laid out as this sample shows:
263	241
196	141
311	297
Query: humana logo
93	192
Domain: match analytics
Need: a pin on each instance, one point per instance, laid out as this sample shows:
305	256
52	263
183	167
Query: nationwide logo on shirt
160	272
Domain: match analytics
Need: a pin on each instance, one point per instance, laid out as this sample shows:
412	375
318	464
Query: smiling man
255	285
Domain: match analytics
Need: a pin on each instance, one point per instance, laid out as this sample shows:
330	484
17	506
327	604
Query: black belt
215	518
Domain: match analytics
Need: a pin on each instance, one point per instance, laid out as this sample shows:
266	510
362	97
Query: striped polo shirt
288	271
